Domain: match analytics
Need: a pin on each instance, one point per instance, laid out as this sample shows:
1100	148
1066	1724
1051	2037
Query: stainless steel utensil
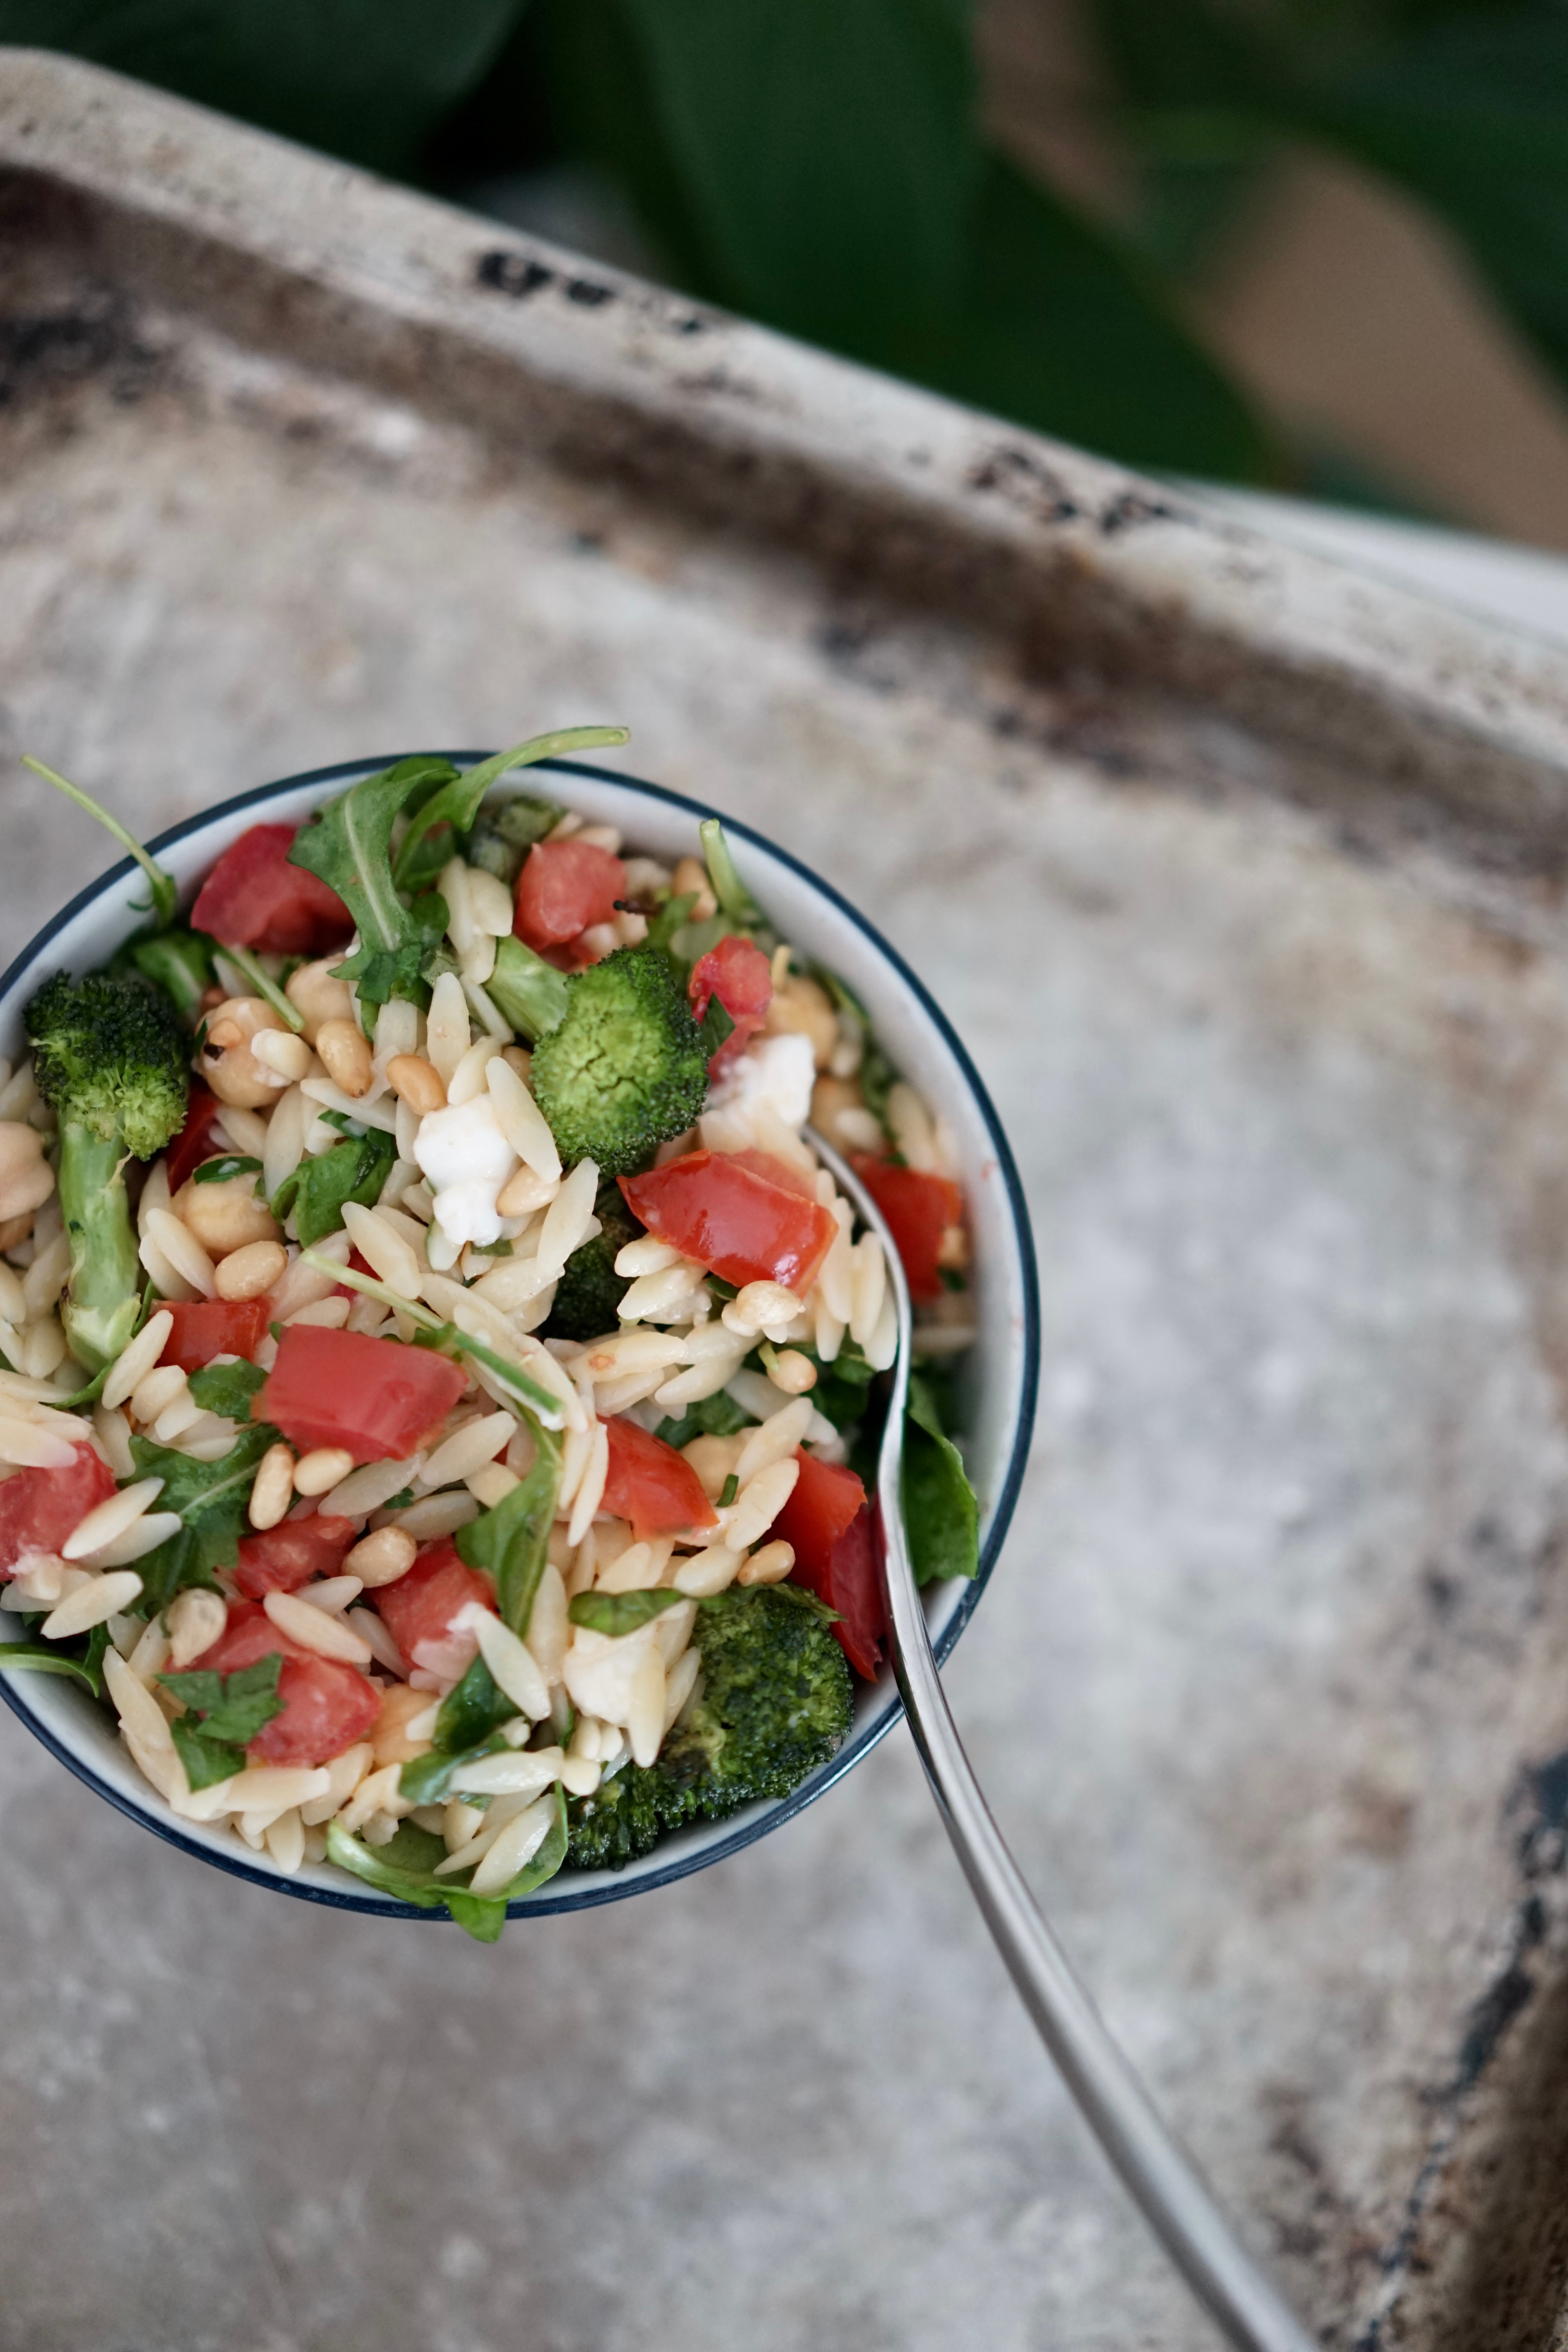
1162	2177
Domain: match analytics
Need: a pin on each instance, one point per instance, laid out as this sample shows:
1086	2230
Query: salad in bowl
437	1371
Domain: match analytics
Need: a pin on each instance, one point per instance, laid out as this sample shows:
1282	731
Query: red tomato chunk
205	1328
290	1554
377	1399
652	1486
739	974
564	887
254	899
419	1607
194	1141
919	1209
327	1705
39	1508
828	1521
743	1225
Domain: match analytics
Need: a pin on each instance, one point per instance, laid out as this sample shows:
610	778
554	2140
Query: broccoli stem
106	1273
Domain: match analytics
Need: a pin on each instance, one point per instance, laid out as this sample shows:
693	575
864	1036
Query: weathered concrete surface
1281	1630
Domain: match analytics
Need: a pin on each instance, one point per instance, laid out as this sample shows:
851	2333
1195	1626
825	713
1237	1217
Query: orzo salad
438	1375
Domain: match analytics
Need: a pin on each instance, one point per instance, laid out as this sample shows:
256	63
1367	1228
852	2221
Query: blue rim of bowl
863	1739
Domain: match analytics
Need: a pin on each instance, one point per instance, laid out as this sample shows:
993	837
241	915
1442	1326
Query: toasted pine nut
769	1564
273	1491
345	1056
196	1618
790	1370
281	1050
250	1272
416	1082
381	1558
320	1468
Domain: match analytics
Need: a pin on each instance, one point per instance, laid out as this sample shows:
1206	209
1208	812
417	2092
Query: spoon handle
1158	2173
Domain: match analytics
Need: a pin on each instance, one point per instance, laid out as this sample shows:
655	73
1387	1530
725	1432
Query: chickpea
225	1060
802	1007
317	997
26	1179
224	1217
714	1459
250	1271
388	1736
345	1056
693	875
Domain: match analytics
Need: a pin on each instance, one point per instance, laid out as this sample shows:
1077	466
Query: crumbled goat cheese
466	1159
775	1072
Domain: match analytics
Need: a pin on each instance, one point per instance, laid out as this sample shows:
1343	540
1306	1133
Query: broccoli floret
777	1702
625	1069
111	1058
590	1290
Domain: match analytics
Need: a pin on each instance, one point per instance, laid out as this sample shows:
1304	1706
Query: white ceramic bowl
997	1392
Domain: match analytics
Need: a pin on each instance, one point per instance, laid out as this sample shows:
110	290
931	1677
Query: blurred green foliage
822	165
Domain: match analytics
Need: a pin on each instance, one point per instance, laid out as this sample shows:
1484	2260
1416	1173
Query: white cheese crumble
466	1159
775	1073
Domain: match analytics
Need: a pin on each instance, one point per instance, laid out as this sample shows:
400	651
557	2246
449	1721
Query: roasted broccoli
111	1060
626	1070
776	1704
591	1290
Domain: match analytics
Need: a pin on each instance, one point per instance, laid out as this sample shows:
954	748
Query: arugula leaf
262	984
620	1612
941	1517
354	1169
530	992
500	838
166	890
717	1024
226	1389
428	1780
472	1711
512	1541
232	1163
349	847
456	802
180	962
49	1658
210	1497
405	1867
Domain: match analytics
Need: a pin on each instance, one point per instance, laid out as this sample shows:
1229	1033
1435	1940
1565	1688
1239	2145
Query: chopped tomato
563	888
419	1607
739	974
718	1208
375	1398
828	1521
651	1484
291	1553
194	1141
254	899
39	1508
205	1328
327	1705
919	1209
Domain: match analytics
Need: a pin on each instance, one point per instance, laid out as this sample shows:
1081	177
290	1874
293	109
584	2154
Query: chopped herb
318	1189
472	1711
512	1541
219	1171
223	1714
428	1780
210	1497
620	1612
226	1389
727	1493
712	1416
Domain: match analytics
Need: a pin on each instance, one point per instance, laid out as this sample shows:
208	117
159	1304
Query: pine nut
416	1082
273	1491
345	1056
320	1468
250	1271
769	1564
281	1050
196	1619
790	1370
383	1558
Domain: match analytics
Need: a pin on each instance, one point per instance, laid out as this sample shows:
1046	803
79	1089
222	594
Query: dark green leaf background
820	164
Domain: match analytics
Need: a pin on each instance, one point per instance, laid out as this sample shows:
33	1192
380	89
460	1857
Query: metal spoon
1162	2177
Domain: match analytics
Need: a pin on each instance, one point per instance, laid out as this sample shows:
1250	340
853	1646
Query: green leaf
1064	327
472	1711
206	1761
428	1780
828	150
405	1867
735	901
349	845
941	1517
317	1192
232	1163
368	79
528	992
226	1389
620	1612
234	1707
512	1541
715	1417
456	802
49	1658
164	887
262	984
210	1497
180	962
